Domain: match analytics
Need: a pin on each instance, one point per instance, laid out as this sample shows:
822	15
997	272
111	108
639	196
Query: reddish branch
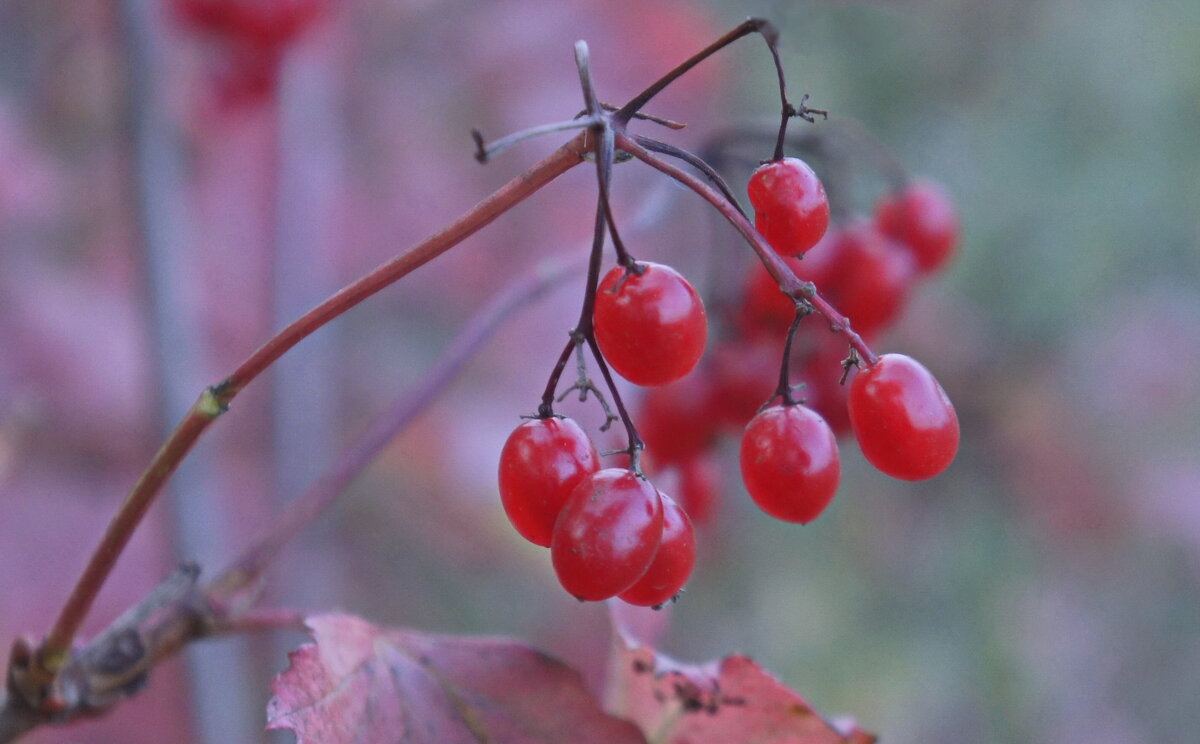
178	611
54	682
789	283
55	651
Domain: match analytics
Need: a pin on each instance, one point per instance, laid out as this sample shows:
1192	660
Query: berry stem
636	445
696	162
745	28
788	282
605	150
55	648
784	389
546	407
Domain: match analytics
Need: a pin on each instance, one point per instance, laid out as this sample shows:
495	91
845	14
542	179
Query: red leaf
361	683
728	700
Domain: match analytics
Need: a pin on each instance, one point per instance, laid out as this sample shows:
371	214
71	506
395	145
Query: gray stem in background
224	700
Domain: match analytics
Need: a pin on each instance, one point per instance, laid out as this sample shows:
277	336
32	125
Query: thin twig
54	650
301	512
788	282
696	162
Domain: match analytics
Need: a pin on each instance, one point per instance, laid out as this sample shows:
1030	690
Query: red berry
542	462
923	218
768	310
790	463
904	423
699	486
746	374
873	278
672	564
822	374
261	23
790	207
650	325
765	310
675	420
607	534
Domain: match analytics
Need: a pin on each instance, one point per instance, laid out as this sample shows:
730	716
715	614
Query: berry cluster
868	269
611	533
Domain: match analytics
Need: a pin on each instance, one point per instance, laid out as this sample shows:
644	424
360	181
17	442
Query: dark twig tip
481	153
766	29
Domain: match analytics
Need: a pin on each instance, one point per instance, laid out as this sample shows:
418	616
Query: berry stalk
384	427
789	283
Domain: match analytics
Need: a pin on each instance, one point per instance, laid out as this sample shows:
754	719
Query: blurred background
169	198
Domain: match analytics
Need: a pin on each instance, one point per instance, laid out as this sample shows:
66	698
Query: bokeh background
158	220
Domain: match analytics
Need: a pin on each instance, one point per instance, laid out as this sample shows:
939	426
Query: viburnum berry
265	24
790	463
607	534
922	217
672	564
650	323
769	311
699	487
745	374
674	420
823	390
902	418
765	310
872	277
790	207
541	463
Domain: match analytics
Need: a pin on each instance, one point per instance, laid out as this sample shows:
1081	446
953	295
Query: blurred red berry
745	375
874	277
676	420
265	24
700	486
922	217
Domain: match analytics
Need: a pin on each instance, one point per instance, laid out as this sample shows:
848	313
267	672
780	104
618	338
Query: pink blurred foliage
1135	386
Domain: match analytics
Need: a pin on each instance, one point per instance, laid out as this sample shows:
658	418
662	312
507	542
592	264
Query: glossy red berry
790	207
541	463
650	323
672	564
923	218
607	534
903	420
790	463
